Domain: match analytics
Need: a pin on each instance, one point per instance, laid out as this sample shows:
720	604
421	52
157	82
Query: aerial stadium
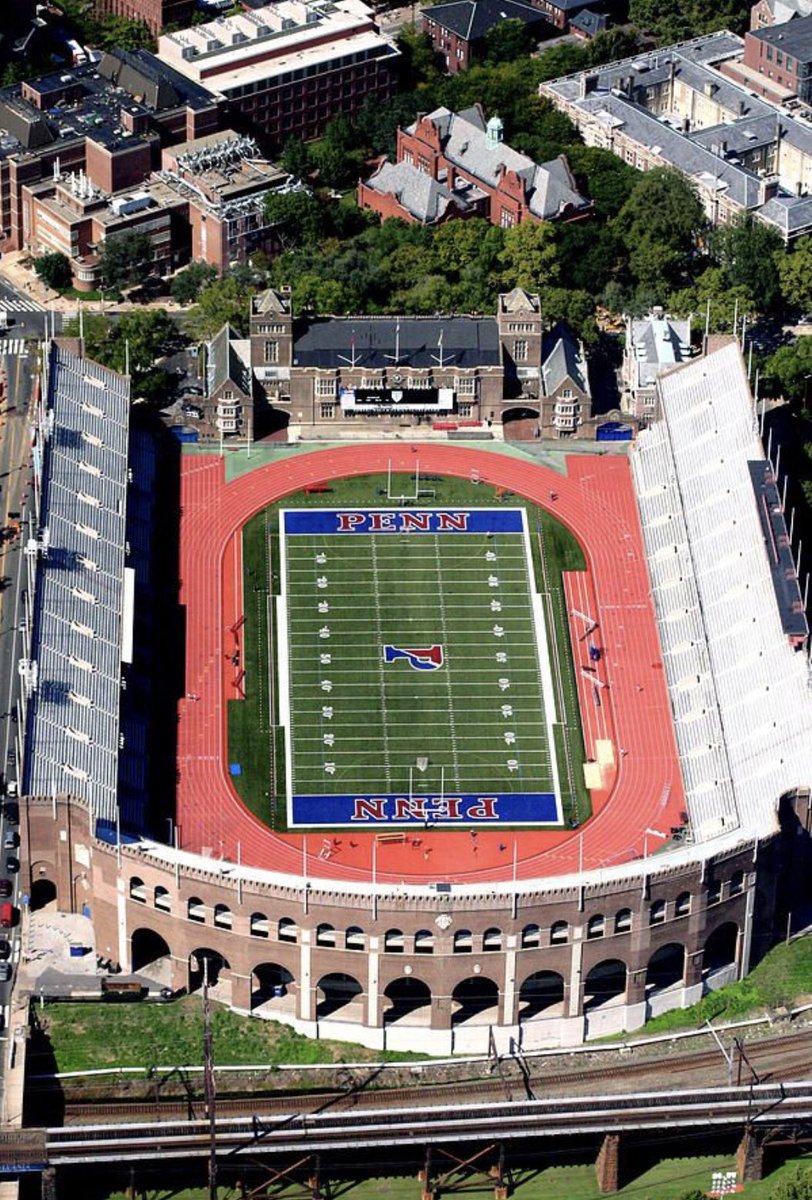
504	749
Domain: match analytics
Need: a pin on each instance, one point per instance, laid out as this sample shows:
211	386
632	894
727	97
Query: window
372	381
138	890
623	920
566	394
327	412
393	941
520	350
223	917
466	385
354	938
531	936
325	935
325	387
196	910
271	352
520	327
506	219
162	900
779	58
228	395
466	410
424	942
492	940
656	914
463	941
559	933
736	883
286	930
714	892
595	927
258	925
682	906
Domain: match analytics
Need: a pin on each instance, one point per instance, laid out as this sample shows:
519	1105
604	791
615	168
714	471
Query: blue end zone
500	808
404	520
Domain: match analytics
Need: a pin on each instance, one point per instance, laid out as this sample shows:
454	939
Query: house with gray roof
654	344
476	173
458	30
228	406
566	400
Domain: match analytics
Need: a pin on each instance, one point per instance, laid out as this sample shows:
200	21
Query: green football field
359	726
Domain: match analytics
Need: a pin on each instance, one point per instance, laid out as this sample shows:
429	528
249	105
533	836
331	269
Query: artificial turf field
471	719
255	736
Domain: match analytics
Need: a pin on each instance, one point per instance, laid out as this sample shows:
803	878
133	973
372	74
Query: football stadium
508	748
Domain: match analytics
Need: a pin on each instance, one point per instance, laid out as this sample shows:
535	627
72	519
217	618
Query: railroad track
779	1058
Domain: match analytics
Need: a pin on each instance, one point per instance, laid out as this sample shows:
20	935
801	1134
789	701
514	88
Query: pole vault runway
595	499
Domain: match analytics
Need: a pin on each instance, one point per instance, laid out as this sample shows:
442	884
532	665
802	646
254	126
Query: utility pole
209	1092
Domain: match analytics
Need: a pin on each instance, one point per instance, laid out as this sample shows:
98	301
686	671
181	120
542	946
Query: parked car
12	811
12	864
11	839
192	389
5	949
5	972
6	887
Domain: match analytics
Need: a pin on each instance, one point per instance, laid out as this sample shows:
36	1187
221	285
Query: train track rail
779	1058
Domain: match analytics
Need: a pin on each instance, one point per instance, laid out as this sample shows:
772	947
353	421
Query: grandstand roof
739	690
73	729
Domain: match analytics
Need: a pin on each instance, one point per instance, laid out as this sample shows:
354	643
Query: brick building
455	164
286	69
458	30
108	121
154	13
654	344
777	61
777	12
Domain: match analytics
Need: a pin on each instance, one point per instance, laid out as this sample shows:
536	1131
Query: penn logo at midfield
428	659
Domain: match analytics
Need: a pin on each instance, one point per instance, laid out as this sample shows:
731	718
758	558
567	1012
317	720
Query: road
26	317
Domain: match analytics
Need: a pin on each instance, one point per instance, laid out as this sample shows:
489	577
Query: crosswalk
13	347
20	304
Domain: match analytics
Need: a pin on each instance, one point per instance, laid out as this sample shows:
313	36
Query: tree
337	157
529	256
295	158
54	270
746	249
574	307
726	301
601	175
223	301
299	217
125	259
187	284
795	275
790	370
660	225
795	1186
121	33
610	45
507	40
136	339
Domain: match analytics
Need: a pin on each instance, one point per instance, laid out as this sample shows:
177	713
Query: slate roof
472	19
659	342
797	41
425	198
228	361
549	187
330	342
589	22
562	359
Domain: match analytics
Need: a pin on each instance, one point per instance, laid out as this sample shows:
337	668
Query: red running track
595	500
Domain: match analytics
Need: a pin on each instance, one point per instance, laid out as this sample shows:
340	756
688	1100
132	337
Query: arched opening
393	941
531	937
656	914
196	909
223	917
542	993
424	942
476	1000
623	920
354	938
325	935
605	984
138	889
666	967
162	899
43	893
205	963
596	926
520	423
147	947
721	946
270	983
492	940
339	993
682	905
559	933
736	883
463	941
410	1001
287	930
258	925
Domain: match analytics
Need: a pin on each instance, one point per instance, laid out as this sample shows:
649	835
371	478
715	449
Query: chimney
767	188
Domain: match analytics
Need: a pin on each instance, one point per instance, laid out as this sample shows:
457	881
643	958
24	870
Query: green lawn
84	1037
670	1179
255	739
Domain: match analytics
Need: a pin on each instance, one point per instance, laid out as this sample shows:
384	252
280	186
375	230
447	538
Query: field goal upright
402	498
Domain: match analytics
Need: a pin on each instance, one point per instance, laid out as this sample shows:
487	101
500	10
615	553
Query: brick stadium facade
550	962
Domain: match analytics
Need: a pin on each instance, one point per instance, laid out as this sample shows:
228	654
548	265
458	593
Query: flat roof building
286	69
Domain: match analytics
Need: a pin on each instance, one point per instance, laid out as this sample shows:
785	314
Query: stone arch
161	899
477	1001
492	940
205	960
287	930
520	422
541	994
393	941
258	925
269	982
424	942
137	889
463	942
223	916
325	934
43	893
410	1000
606	983
666	967
147	947
531	937
339	992
721	947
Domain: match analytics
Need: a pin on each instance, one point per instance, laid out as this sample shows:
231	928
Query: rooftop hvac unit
188	52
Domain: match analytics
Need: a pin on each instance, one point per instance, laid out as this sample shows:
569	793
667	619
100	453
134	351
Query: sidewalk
24	279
